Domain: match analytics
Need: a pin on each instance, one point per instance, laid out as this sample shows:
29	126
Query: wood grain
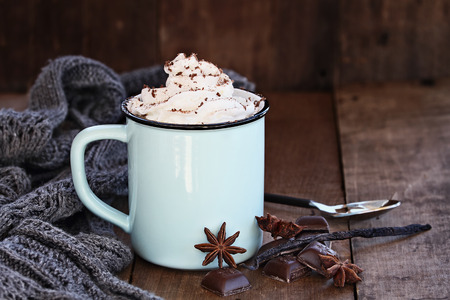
280	45
396	138
302	153
121	35
393	40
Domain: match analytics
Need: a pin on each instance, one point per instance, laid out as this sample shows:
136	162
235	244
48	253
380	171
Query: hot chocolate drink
196	92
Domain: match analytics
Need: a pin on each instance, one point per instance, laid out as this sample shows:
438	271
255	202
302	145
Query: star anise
342	272
279	227
220	247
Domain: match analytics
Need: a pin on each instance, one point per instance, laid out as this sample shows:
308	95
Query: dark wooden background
351	138
279	44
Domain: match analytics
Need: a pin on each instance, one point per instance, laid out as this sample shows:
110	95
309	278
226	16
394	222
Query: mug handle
86	195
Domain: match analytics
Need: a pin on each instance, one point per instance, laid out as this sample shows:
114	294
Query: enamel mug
183	178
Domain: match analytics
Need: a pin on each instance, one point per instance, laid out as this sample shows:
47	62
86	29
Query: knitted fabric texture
50	246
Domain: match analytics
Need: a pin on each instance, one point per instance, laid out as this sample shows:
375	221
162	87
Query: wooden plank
121	34
395	137
302	156
125	36
393	40
281	45
55	30
15	71
303	34
278	44
302	159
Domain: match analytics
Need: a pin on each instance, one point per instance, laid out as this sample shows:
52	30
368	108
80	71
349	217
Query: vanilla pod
294	244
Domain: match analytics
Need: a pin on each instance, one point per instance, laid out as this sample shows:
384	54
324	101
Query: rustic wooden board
282	45
278	44
301	127
396	138
393	40
302	157
121	34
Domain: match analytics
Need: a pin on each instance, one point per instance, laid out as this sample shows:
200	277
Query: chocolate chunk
225	282
310	256
286	268
314	225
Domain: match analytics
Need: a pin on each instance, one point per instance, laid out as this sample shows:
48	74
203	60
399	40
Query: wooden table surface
360	142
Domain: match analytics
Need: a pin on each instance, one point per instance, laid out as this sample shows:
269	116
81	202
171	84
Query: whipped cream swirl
196	92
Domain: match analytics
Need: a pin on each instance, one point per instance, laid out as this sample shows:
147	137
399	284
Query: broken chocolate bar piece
314	225
225	282
310	256
286	268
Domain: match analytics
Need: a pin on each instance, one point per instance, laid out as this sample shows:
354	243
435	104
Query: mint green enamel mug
183	178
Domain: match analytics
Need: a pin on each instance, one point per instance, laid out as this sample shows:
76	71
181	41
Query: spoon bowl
366	209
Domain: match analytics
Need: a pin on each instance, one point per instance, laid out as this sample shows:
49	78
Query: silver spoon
364	209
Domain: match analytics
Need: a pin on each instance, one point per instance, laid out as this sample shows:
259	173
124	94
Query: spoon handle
288	200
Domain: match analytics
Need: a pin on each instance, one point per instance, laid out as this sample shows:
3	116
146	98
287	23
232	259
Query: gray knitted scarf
51	247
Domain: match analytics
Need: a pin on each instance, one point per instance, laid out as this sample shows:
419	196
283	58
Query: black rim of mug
140	120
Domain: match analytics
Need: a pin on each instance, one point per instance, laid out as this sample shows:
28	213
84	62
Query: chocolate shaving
339	235
181	110
257	102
